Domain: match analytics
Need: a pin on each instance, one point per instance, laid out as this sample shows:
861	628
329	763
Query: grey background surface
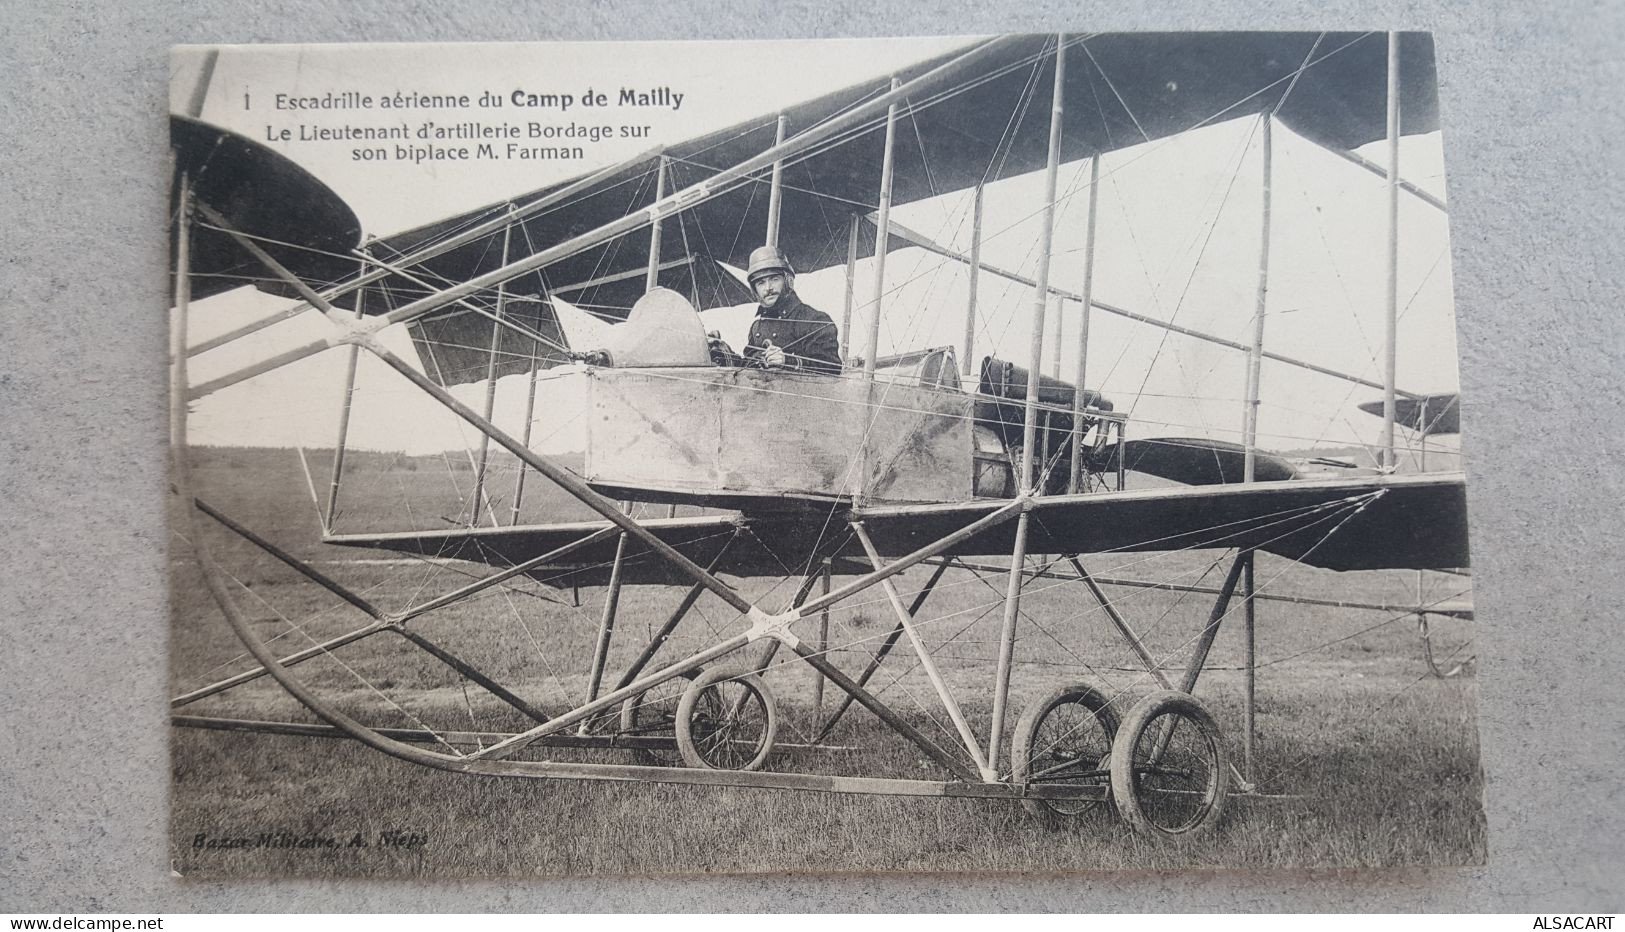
1530	102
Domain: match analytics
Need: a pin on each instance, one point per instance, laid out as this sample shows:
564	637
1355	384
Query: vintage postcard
1015	453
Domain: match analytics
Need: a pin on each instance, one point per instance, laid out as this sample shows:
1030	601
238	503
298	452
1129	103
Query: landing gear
1169	775
653	714
726	720
1065	737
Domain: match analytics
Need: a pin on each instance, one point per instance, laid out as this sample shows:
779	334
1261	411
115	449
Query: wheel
1169	772
1065	736
653	714
726	721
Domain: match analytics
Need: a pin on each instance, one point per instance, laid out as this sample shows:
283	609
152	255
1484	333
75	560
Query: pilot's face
771	288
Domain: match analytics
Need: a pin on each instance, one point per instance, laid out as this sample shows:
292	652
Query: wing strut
906	621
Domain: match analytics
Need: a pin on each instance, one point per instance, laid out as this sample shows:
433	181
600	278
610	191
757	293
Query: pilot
786	334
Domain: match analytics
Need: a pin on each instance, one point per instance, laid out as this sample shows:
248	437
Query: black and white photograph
1018	454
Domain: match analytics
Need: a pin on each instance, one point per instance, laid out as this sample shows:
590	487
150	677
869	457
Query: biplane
700	476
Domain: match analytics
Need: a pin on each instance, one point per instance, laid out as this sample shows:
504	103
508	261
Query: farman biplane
823	487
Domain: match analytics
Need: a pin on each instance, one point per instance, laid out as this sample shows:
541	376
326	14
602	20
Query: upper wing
992	124
1410	522
299	220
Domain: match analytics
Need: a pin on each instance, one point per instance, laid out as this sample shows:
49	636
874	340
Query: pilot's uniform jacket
806	335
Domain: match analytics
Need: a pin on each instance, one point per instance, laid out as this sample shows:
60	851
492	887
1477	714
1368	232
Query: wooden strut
871	350
1056	354
454	737
484	459
294	659
1354	158
1255	351
612	699
851	285
304	569
1042	462
823	644
567	480
524	436
1029	426
211	576
992	519
1221	607
606	624
1244	561
462	666
775	186
1243	564
338	589
759	666
1250	440
927	661
1198	659
1390	342
683	606
651	277
418	735
624	773
870	702
967	362
885	648
1249	707
1075	480
344	422
382	621
1122	626
480	585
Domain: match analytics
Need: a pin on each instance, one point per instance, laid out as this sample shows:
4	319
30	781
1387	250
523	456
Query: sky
1178	238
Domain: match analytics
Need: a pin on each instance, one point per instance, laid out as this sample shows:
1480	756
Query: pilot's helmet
765	260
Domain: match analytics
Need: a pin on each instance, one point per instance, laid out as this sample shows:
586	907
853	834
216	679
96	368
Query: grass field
1364	759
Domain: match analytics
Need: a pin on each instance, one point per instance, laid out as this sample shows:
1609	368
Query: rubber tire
691	698
1190	713
1032	719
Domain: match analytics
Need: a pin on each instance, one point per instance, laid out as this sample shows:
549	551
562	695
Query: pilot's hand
772	356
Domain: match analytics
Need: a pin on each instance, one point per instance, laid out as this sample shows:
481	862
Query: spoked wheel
1065	737
726	720
1169	772
653	714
